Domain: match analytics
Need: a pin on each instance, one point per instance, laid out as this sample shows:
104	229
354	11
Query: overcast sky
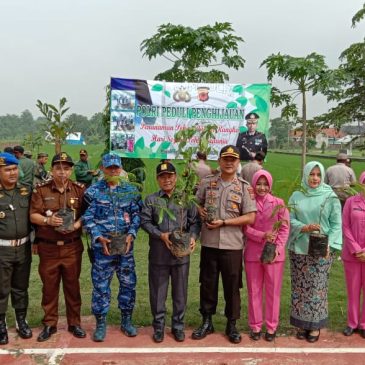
71	48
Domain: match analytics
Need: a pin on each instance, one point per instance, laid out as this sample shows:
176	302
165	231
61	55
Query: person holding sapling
264	257
163	262
112	219
222	241
353	257
315	208
55	211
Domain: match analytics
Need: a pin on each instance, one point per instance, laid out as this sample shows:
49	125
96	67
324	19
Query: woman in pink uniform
353	257
258	275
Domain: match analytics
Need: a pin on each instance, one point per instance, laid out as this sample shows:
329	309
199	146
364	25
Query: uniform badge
251	192
2	215
213	184
24	191
234	206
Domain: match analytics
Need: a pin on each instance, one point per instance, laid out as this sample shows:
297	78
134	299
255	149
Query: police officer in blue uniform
15	246
113	206
251	141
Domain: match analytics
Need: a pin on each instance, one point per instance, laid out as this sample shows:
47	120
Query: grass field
285	170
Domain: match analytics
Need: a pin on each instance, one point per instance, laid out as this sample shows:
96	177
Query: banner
146	114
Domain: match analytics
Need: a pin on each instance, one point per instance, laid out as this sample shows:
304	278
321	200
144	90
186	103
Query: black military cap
165	167
83	152
62	157
42	154
229	151
252	116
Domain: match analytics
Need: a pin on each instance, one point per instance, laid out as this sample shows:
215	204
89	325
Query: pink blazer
353	227
264	223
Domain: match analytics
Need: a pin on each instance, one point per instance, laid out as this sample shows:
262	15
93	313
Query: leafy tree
280	127
193	52
33	141
351	74
59	129
308	74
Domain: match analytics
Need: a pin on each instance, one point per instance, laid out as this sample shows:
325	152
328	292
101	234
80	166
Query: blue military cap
111	159
7	159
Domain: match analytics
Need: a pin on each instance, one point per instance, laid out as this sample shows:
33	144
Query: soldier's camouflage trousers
102	274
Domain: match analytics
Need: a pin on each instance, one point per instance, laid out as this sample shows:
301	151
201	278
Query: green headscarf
314	206
322	189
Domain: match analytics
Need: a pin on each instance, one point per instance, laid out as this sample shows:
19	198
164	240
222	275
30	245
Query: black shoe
255	335
302	334
77	331
205	328
270	336
232	332
22	326
158	336
4	339
311	338
46	333
348	331
362	332
179	335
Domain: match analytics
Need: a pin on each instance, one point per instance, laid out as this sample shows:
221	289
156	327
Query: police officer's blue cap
111	159
252	116
7	159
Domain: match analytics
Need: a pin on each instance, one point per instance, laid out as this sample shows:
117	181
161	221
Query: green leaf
170	214
242	100
153	144
261	104
231	105
160	216
157	87
167	93
139	144
238	89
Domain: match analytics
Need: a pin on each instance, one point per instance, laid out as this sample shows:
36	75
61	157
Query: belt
16	242
58	242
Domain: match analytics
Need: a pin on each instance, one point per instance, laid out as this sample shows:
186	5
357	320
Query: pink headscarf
260	200
261	173
362	178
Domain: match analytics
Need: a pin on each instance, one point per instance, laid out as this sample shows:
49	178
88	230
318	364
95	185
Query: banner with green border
146	114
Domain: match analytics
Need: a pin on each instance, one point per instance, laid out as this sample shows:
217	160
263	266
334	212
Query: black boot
22	326
3	331
232	332
205	328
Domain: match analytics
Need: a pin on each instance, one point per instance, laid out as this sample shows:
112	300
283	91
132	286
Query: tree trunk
304	139
57	146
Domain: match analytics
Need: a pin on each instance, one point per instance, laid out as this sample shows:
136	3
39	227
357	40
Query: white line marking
58	352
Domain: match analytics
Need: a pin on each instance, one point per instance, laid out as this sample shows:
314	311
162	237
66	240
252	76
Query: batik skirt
309	289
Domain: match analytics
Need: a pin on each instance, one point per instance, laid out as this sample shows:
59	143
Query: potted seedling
318	241
183	195
118	240
269	251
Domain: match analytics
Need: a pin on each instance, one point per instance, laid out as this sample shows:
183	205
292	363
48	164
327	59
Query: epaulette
77	183
240	178
43	183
